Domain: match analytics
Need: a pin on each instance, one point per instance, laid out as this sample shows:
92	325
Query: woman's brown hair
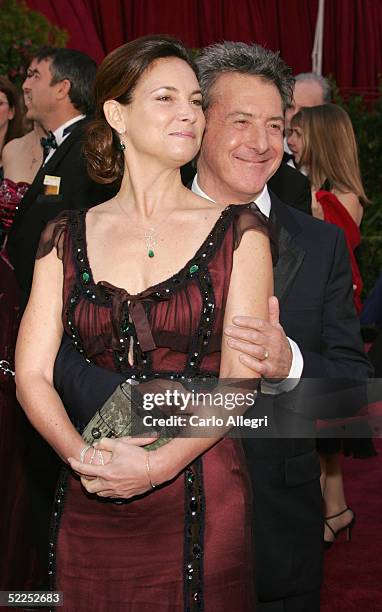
330	148
116	79
15	125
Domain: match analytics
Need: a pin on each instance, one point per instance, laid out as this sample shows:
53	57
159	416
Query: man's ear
115	116
63	89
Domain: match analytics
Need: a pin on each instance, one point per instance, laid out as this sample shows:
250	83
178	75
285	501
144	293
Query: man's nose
26	84
258	139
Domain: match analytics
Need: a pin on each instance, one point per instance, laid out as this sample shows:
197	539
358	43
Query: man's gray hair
312	77
238	57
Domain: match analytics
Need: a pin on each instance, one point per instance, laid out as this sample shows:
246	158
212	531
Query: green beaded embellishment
150	253
85	277
125	325
194	268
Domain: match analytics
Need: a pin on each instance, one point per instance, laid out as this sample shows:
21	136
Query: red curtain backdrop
352	31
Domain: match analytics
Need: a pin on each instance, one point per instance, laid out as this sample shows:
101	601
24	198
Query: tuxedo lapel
63	149
291	254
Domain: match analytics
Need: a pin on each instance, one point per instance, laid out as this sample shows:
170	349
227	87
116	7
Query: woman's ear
11	113
114	115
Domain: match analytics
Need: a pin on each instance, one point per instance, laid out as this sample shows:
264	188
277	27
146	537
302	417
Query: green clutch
121	415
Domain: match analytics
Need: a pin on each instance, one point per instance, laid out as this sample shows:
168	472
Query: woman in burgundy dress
143	284
323	142
18	566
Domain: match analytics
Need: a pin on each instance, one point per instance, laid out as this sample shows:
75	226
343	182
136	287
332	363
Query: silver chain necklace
150	233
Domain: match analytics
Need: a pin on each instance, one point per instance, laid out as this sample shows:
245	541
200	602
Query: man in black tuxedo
245	90
58	94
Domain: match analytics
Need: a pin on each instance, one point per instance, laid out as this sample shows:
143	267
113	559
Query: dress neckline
203	254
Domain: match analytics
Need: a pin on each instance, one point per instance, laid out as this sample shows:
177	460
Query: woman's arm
251	285
37	345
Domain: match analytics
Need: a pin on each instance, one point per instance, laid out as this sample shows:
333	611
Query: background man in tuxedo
291	186
246	89
310	89
58	94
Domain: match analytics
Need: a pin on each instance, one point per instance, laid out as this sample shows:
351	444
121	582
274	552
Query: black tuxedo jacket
77	190
292	187
313	283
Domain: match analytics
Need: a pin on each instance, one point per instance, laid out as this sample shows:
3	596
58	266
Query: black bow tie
49	142
287	157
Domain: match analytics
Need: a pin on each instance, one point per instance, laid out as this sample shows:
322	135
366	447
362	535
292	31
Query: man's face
39	94
243	142
306	93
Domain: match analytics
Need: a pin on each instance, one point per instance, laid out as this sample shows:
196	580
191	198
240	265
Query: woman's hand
125	475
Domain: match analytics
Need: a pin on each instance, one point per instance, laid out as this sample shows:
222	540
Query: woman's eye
164	98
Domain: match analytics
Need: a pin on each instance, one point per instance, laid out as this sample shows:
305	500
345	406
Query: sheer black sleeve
53	236
250	218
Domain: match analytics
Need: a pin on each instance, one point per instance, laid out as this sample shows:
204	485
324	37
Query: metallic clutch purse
121	415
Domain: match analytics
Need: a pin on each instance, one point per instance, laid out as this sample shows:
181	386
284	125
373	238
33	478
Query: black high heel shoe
348	527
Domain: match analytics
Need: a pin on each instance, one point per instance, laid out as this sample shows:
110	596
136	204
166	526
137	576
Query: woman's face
165	118
295	139
6	112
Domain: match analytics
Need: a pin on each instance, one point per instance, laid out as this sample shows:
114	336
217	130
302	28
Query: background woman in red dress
323	143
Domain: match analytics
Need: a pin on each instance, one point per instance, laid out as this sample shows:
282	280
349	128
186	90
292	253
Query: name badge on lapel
51	184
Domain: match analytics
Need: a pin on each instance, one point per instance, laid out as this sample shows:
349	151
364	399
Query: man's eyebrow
276	118
241	113
33	71
170	88
251	115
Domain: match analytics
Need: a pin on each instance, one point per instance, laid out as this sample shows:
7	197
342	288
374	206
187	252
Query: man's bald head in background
310	90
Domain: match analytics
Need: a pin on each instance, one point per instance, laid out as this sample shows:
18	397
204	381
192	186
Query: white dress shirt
263	201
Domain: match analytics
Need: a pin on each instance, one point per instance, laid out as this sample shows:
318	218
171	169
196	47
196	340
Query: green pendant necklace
150	241
150	233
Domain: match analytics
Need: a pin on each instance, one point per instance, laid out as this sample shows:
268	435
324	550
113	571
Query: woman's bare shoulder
13	147
351	202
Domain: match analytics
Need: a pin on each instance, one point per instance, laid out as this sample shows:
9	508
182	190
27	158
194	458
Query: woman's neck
149	191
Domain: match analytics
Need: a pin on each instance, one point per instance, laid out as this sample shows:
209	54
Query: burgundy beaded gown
187	545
